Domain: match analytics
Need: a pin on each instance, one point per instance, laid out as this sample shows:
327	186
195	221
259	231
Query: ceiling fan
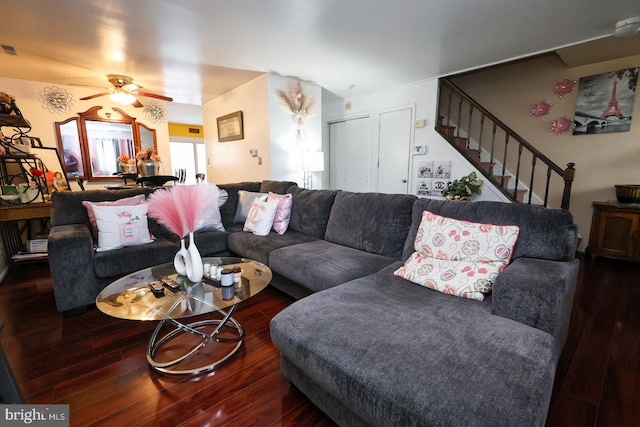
124	91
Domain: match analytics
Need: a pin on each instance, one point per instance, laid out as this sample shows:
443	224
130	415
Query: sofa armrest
538	293
70	250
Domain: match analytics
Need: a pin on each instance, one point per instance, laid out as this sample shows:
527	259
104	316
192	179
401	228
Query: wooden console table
614	231
12	230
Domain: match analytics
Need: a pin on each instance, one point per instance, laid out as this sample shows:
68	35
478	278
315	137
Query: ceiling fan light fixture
627	27
122	97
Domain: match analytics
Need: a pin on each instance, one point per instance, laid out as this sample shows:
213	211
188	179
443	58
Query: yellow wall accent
182	130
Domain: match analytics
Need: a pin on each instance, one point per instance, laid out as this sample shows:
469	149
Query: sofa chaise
380	350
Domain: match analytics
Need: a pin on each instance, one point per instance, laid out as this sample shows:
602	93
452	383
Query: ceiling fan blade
153	95
137	104
94	96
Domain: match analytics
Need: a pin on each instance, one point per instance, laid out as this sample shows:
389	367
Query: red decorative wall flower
540	109
561	125
563	87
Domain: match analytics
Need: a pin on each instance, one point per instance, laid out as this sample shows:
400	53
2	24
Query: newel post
569	172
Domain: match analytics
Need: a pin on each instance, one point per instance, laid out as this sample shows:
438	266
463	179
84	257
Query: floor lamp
312	161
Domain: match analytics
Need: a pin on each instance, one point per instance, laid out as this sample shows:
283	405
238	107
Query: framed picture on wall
230	127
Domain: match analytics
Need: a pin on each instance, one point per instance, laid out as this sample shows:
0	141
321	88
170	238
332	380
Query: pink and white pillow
460	258
120	226
283	213
260	217
127	201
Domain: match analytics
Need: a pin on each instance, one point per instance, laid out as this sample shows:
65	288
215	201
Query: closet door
394	151
350	154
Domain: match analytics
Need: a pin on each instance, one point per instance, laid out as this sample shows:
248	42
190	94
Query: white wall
286	159
422	97
231	161
268	128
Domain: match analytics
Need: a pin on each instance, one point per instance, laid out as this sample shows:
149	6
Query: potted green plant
463	188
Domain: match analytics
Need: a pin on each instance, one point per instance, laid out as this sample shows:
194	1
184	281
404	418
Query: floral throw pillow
460	258
260	218
283	213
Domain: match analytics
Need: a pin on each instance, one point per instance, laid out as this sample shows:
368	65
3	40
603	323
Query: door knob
404	180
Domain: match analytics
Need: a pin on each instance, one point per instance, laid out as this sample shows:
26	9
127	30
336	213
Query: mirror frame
116	116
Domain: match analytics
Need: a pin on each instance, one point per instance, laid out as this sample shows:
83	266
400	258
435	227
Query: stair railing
483	139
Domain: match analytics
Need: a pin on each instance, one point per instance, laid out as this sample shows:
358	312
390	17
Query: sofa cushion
278	187
372	222
258	248
321	265
68	208
310	210
460	258
544	233
406	355
129	259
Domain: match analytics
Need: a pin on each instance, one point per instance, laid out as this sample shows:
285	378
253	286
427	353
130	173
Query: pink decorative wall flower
540	109
563	87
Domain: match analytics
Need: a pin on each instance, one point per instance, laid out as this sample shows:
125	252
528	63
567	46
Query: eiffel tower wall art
605	102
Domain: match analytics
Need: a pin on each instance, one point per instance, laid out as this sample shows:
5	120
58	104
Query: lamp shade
313	161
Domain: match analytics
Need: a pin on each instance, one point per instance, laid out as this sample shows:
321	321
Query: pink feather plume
163	207
181	207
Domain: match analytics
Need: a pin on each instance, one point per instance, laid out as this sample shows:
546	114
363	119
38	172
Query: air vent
9	50
194	130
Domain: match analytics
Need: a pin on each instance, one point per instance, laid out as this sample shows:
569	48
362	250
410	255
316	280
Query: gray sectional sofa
370	348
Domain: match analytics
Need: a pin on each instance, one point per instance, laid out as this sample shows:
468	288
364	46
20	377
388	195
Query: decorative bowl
628	193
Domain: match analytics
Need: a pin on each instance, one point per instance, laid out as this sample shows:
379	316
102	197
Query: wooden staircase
474	155
487	144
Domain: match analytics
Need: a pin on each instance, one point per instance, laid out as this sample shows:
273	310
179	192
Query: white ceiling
197	50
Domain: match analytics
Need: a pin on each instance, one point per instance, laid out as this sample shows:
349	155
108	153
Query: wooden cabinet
614	231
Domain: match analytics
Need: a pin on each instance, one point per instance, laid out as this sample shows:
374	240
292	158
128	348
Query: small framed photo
230	127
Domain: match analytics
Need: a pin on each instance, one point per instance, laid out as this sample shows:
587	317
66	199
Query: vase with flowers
127	164
180	209
148	162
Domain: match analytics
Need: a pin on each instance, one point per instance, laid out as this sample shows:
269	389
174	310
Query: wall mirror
92	142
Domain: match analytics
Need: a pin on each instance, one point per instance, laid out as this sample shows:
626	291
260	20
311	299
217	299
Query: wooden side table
10	218
614	231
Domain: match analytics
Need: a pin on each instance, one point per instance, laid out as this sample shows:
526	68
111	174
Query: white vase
179	261
195	269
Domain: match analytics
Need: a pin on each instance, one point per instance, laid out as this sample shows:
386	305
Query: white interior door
394	151
350	154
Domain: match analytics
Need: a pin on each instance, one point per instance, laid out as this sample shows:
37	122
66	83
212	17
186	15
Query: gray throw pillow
245	200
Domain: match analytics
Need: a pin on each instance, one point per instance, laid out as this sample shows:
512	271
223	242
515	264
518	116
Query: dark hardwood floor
97	364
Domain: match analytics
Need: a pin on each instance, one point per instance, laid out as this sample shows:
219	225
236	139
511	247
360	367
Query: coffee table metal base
169	367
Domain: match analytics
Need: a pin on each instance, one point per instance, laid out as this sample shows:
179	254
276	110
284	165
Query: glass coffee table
186	348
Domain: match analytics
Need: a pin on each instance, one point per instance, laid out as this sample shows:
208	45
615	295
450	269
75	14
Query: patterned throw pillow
120	226
127	201
260	218
460	258
283	213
